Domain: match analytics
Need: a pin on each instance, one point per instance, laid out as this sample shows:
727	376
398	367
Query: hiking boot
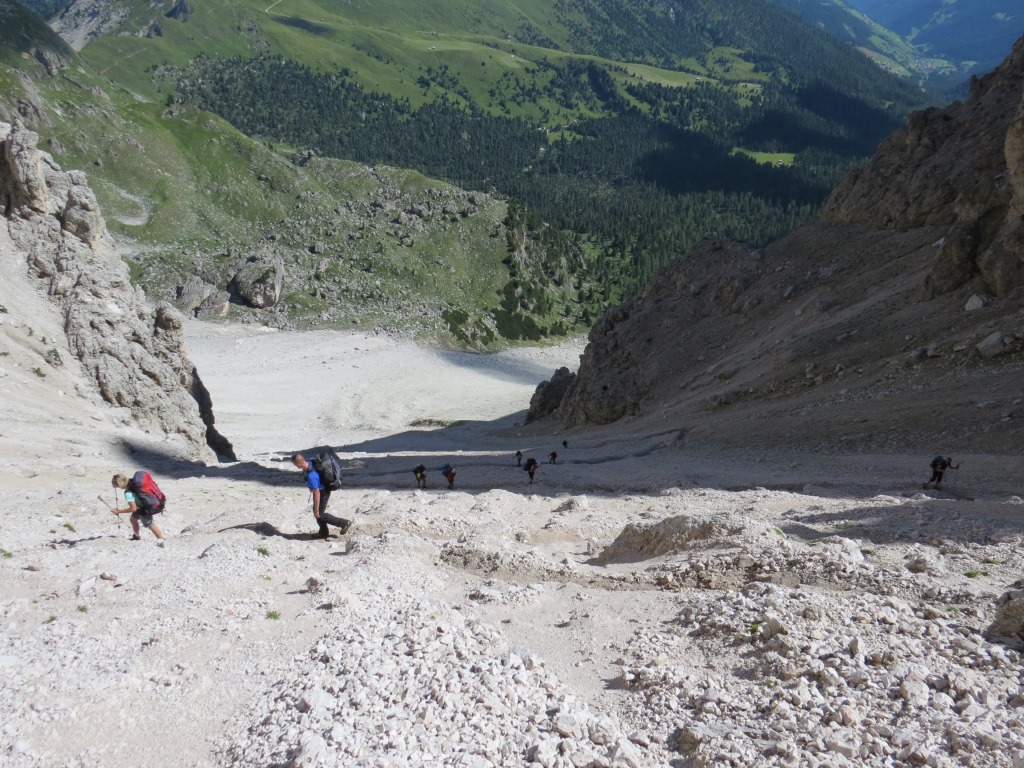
323	533
343	529
135	537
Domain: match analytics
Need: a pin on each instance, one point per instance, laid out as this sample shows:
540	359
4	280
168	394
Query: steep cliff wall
962	168
133	351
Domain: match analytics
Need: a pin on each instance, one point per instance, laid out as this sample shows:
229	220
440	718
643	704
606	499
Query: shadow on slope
924	524
269	529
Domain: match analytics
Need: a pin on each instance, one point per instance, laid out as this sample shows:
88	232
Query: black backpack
330	473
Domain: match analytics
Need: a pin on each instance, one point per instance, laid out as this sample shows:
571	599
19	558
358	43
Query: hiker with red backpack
322	476
144	499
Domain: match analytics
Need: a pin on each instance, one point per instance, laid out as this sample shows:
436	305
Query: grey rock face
214	306
963	165
955	264
133	351
548	395
193	293
181	11
258	283
621	363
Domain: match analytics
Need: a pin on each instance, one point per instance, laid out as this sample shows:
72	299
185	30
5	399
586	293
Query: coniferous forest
649	171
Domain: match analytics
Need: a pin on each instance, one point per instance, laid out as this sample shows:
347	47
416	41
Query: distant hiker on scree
531	467
553	457
939	466
144	499
421	476
322	476
519	458
448	471
565	443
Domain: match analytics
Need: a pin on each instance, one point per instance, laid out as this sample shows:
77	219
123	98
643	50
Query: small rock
992	345
312	749
919	565
976	301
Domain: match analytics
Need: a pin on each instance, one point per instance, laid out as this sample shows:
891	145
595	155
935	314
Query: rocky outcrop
258	283
960	168
180	11
1009	623
85	20
193	293
133	352
548	395
626	356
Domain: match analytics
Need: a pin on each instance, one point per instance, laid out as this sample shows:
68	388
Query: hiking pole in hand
115	506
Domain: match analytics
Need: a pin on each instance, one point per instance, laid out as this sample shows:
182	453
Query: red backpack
148	496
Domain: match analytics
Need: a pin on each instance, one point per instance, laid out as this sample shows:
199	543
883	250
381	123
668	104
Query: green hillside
623	132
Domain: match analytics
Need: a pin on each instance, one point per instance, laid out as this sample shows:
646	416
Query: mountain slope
976	33
624	131
190	198
897	322
890	50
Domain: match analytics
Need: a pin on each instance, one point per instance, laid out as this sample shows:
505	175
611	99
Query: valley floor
644	603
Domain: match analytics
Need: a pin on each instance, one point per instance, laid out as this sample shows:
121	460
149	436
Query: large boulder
214	306
548	395
1009	623
193	293
258	282
133	351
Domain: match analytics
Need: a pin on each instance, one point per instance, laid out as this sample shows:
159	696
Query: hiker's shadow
269	529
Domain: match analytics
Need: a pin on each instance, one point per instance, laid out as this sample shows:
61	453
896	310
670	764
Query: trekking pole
115	506
956	476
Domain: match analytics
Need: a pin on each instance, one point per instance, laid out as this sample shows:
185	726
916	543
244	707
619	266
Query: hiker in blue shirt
321	495
140	514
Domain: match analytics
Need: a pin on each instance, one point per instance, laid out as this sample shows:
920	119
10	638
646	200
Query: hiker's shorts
146	520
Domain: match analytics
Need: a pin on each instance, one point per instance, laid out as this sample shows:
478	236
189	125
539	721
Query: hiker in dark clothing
552	457
449	475
565	443
531	467
939	466
321	496
519	458
421	476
